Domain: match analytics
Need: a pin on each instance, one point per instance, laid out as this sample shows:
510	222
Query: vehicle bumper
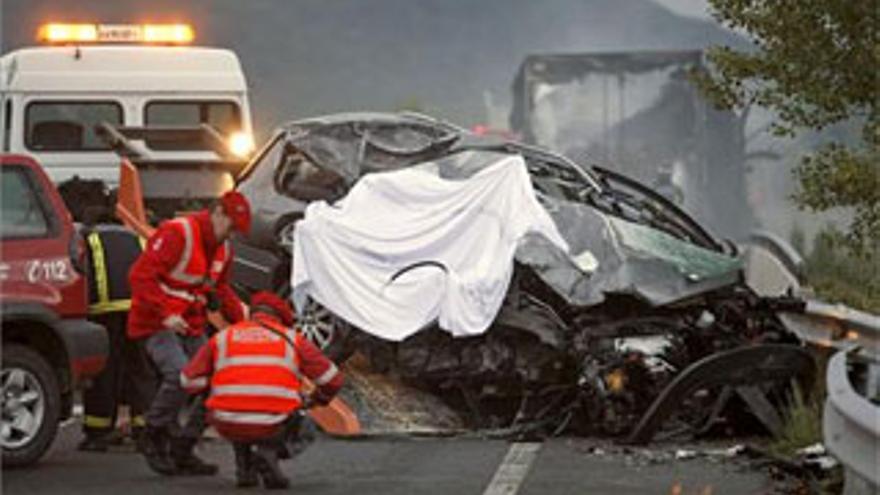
87	347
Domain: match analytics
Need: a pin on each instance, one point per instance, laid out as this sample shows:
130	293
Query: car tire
31	405
327	331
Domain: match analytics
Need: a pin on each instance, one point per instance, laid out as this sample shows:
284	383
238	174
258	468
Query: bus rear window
68	126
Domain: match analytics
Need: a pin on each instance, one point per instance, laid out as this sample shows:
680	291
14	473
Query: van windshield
68	125
224	116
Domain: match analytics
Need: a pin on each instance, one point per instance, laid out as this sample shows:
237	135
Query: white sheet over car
345	255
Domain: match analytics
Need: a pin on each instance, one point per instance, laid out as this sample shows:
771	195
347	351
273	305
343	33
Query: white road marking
513	469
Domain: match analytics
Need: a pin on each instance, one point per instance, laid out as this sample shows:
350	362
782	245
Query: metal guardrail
859	321
851	421
835	325
851	428
781	249
859	328
772	266
779	267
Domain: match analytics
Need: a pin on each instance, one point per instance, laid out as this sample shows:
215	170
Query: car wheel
326	330
318	324
284	236
31	405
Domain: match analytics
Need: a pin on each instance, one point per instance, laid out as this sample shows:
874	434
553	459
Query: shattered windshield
693	262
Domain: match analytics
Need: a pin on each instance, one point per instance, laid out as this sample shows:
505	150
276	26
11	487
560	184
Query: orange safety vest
192	276
256	377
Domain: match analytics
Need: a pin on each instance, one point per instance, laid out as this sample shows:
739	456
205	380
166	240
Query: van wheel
31	405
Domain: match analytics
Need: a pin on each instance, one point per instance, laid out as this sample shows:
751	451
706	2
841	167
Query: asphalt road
405	466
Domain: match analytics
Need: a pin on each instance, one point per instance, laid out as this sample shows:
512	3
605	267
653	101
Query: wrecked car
643	327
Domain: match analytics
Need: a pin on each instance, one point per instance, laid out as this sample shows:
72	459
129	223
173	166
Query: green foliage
838	275
840	177
802	422
802	427
815	64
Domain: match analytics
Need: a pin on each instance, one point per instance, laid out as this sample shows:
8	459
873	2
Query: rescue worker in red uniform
127	377
184	268
253	373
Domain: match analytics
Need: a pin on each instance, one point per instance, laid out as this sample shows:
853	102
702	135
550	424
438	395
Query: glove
213	301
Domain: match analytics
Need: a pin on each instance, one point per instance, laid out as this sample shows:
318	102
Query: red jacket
235	424
150	305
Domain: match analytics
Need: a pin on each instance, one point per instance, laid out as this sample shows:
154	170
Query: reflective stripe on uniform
255	361
186	382
223	359
255	391
181	294
110	307
178	273
102	285
252	418
97	421
100	269
138	421
327	376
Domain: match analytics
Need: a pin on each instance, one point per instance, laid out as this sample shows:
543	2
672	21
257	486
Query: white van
52	97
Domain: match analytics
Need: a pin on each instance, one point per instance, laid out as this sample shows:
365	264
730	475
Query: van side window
224	116
22	213
68	126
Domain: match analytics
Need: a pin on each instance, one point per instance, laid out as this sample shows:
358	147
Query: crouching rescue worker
183	270
256	400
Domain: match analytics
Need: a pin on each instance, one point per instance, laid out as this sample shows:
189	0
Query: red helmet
236	207
267	302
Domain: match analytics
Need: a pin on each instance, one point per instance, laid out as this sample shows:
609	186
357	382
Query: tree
815	64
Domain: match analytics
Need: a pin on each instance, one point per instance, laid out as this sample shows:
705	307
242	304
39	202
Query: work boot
154	447
93	442
137	438
115	438
266	460
186	461
245	468
299	438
